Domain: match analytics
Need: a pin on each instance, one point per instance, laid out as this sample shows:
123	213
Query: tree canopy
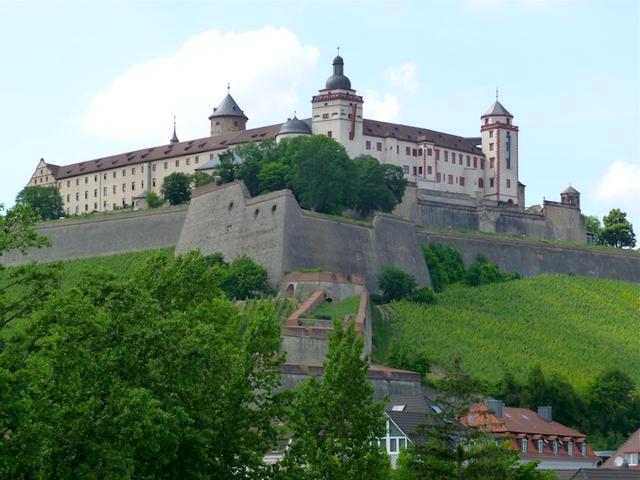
617	231
176	188
46	202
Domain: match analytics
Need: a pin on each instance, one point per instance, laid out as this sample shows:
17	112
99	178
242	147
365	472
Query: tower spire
496	94
228	87
174	138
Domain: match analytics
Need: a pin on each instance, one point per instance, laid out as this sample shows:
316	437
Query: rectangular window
397	149
197	159
540	446
437	154
95	205
77	181
86	180
95	192
177	163
95	178
491	182
583	449
490	133
415	152
555	447
133	170
415	170
429	170
153	167
405	169
379	146
124	172
104	204
407	150
142	169
491	147
325	116
133	186
429	152
482	163
523	445
570	448
68	198
330	134
419	170
124	187
68	183
462	181
142	184
188	161
104	176
393	446
468	160
508	183
104	190
166	165
450	179
86	207
419	152
86	194
460	158
114	174
446	156
632	459
153	182
114	189
475	162
492	162
438	176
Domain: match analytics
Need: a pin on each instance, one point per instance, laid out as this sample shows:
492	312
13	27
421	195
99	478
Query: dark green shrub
407	358
154	200
376	298
245	279
395	284
446	265
482	272
424	296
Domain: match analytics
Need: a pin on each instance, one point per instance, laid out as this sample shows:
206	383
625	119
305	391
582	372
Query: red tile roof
632	445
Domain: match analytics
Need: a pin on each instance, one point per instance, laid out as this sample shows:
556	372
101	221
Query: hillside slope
574	326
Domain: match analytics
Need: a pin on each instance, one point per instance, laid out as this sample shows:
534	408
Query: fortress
459	182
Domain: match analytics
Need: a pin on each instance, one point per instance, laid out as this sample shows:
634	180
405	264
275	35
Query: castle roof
295	125
407	133
373	128
338	81
228	108
497	109
570	189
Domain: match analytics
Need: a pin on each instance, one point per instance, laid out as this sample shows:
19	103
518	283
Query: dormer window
540	446
570	448
583	449
524	445
555	447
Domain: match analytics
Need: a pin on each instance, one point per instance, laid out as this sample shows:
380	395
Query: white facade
482	168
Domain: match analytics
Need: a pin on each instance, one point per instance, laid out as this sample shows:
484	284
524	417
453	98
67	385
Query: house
627	456
535	435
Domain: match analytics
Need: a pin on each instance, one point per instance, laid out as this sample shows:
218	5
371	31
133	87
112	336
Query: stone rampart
108	235
530	258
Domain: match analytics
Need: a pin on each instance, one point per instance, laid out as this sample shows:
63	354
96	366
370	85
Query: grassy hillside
574	326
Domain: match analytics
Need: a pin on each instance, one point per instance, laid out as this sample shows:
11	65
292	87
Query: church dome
338	81
295	125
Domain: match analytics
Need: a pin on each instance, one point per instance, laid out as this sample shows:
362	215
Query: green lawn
574	326
337	310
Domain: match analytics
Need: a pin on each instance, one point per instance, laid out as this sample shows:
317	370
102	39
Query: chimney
546	413
495	406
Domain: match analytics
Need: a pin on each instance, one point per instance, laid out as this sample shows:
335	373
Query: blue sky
84	80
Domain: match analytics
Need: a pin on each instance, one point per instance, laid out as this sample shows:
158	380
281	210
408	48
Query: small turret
174	138
570	197
293	127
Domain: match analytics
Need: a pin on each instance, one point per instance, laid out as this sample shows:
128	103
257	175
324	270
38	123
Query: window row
115	206
105	192
554	445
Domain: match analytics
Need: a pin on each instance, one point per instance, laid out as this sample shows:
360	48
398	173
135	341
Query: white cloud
264	68
621	183
381	107
404	77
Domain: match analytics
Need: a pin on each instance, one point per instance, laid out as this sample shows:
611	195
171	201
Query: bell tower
500	147
227	117
337	111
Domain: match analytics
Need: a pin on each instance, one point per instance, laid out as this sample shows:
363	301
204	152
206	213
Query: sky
82	80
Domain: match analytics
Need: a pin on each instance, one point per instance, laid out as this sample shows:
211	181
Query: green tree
199	179
592	225
446	265
396	183
335	423
252	158
176	188
245	279
371	192
274	176
45	201
456	451
227	169
154	200
395	284
617	231
158	376
322	175
17	230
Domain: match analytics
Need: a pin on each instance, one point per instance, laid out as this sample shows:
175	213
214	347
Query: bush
407	358
176	188
154	200
376	298
446	265
482	272
395	284
245	279
424	296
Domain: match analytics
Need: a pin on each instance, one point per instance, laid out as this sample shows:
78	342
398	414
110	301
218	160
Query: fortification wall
279	235
531	258
95	236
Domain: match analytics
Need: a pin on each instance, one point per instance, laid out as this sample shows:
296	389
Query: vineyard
573	326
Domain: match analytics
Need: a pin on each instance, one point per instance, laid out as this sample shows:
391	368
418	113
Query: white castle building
484	168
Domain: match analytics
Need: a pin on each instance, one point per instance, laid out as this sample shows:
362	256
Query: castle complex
475	180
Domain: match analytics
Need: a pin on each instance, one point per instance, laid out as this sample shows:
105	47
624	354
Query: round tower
293	127
227	117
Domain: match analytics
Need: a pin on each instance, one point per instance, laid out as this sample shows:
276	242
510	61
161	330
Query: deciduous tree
46	202
176	188
617	230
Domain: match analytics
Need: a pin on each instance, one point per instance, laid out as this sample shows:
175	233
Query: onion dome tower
227	117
